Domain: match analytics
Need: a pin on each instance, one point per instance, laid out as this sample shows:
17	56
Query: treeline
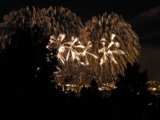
27	92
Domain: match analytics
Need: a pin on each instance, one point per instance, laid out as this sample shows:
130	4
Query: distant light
150	104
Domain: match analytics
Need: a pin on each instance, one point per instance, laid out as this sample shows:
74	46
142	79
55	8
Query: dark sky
143	15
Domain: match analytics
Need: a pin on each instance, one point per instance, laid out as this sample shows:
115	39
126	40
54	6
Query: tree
28	72
131	96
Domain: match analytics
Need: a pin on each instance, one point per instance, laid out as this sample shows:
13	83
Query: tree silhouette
91	100
131	96
28	72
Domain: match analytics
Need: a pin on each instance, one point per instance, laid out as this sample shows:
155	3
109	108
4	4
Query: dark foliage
131	96
25	87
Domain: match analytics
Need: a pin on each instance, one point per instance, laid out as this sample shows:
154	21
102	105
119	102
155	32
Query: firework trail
108	53
85	52
71	45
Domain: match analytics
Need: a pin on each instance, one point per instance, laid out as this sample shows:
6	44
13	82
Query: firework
114	42
70	51
71	45
51	20
57	43
108	52
109	39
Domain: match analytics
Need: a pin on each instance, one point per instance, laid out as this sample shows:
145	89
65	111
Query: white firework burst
107	52
71	47
57	43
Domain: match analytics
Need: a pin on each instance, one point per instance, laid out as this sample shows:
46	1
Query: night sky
143	15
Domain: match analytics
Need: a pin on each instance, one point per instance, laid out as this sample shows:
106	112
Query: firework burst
51	20
109	39
71	46
108	52
57	43
118	44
